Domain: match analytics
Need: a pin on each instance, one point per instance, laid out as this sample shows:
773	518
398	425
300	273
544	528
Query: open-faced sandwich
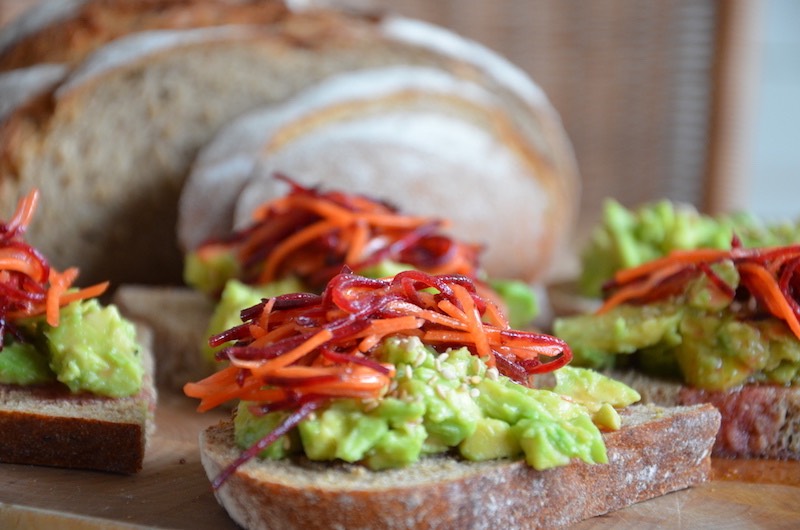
409	402
76	386
707	326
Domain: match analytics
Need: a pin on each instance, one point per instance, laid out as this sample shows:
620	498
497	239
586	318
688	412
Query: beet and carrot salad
311	234
29	285
769	280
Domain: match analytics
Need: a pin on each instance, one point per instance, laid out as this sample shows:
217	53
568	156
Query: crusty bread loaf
423	139
49	426
116	170
66	31
658	450
758	421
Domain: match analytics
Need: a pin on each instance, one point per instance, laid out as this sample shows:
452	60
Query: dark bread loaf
49	426
658	450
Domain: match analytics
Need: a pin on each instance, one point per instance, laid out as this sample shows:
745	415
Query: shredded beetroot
311	234
295	350
769	280
29	286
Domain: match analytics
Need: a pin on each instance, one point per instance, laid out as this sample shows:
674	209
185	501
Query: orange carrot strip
676	257
291	244
358	242
640	288
317	340
473	319
25	209
771	294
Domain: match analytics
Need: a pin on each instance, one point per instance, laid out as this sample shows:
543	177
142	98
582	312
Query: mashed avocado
696	337
626	238
93	349
452	402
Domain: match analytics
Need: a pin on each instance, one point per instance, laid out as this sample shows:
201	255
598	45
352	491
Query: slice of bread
66	31
178	318
49	426
758	421
116	170
658	450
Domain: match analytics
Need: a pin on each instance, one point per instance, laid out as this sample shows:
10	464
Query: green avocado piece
589	386
22	364
249	429
625	329
238	296
208	271
491	439
93	349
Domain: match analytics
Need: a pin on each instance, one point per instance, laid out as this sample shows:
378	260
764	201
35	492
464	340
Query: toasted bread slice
758	421
658	450
49	426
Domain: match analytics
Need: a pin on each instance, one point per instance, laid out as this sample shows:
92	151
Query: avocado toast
76	386
400	401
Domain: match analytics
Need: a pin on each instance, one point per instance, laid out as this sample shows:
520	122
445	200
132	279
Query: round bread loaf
111	145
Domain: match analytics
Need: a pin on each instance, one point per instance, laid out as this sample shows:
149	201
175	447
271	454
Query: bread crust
657	451
89	24
47	425
758	420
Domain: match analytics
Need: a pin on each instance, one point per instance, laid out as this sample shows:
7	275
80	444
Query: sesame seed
493	374
441	391
474	393
409	371
443	356
475	379
448	372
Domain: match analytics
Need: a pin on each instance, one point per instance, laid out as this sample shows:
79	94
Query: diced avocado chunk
22	364
210	269
250	429
589	386
594	339
94	349
490	440
453	401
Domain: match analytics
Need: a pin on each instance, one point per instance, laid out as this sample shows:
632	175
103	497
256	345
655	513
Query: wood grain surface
173	492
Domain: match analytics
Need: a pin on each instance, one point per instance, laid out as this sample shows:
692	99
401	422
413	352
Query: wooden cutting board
173	492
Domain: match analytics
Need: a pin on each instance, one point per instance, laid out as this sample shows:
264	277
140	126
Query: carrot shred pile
768	279
296	352
296	347
29	286
311	234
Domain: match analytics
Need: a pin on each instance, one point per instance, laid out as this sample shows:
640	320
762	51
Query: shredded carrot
312	234
766	274
676	257
767	289
33	287
324	347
